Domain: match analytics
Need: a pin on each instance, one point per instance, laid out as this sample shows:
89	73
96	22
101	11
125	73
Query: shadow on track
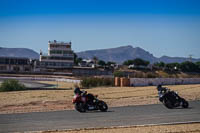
97	111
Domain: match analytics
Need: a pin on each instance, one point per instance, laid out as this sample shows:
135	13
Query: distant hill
168	59
18	52
121	54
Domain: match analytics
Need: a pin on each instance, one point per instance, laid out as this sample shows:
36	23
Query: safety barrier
162	81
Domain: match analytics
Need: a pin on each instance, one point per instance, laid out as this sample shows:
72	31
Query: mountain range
119	54
18	52
123	53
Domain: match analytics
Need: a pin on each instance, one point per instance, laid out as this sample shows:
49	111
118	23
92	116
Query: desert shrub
151	75
95	82
118	74
11	85
139	75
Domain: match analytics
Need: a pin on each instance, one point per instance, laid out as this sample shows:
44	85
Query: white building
60	55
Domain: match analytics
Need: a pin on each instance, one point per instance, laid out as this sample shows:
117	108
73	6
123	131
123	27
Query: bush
136	62
138	75
151	75
118	74
11	85
95	82
189	67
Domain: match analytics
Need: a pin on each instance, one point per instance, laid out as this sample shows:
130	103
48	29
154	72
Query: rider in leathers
84	94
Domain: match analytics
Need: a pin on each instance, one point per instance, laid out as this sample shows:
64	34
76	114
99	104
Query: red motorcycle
88	102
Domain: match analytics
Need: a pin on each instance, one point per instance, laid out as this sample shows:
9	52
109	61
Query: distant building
150	66
60	55
86	63
58	61
15	64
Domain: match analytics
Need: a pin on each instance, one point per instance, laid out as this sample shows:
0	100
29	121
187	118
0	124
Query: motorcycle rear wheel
80	107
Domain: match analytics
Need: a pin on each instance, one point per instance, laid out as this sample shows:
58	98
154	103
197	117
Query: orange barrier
122	81
117	81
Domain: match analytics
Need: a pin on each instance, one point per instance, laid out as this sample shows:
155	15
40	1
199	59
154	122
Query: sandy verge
52	100
178	128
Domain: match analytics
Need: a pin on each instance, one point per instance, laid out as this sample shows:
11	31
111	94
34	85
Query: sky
162	27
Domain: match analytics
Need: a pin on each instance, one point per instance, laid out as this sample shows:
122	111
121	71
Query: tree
101	63
109	63
173	66
95	59
198	65
189	67
160	64
140	62
76	59
118	74
136	62
79	60
128	62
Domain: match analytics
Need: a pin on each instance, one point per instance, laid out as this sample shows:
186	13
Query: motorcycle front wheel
80	107
102	106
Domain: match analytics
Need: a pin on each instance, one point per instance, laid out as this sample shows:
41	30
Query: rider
78	91
84	94
161	90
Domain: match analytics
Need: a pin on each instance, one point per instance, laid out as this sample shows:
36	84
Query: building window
27	69
3	67
43	57
16	68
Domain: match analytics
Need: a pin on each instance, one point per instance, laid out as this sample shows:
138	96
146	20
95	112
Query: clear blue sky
162	27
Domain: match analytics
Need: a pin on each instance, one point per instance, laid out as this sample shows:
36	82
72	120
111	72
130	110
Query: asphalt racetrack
31	84
117	116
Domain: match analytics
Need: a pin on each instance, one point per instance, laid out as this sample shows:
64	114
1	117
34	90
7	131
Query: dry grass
51	100
33	101
164	74
182	128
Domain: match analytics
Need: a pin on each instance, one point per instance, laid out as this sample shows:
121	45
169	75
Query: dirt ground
181	128
52	100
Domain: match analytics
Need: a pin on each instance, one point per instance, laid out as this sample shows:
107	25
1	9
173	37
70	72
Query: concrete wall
90	72
163	81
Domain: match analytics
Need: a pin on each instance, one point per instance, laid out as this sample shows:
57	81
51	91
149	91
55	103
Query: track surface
31	84
119	116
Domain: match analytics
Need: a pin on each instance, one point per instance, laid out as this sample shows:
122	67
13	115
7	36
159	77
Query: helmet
77	90
159	86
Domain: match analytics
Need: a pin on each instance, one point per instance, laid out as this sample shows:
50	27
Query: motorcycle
84	103
171	99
